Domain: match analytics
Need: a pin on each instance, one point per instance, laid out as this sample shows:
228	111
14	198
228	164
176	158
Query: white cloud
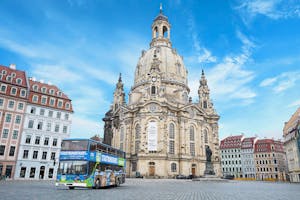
273	9
282	82
203	55
294	104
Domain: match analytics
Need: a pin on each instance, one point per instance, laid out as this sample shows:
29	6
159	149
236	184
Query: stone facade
161	130
291	135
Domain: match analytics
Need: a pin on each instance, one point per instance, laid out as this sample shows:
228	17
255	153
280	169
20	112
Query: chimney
12	66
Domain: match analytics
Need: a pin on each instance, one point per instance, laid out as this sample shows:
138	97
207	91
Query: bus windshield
76	145
74	167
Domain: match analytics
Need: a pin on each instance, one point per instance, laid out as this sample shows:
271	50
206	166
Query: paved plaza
154	189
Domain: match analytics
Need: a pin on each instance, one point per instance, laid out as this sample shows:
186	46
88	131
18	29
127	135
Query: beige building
162	131
270	160
291	135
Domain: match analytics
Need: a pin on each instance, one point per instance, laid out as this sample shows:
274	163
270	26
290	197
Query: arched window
204	104
171	138
137	137
156	32
171	131
205	136
121	138
173	167
165	32
192	134
153	90
35	88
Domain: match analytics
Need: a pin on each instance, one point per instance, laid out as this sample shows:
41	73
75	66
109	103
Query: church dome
161	58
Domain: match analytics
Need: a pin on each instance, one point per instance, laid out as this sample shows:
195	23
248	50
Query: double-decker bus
89	163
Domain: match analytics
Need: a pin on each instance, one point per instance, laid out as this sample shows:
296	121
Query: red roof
36	88
268	145
11	76
248	143
231	142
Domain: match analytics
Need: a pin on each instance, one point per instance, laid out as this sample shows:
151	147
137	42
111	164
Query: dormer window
19	81
13	75
59	93
44	90
9	78
51	92
35	88
4	72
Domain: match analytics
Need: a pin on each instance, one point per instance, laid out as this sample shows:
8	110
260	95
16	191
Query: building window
48	126
52	155
171	146
27	140
20	106
54	143
15	134
65	129
173	167
44	156
134	166
23	93
40	126
35	154
1	102
205	136
60	103
13	91
44	90
44	100
37	140
58	115
19	81
25	154
11	104
51	91
22	172
137	137
171	131
12	151
121	138
30	124
46	141
153	90
32	110
192	149
8	118
18	119
52	101
192	135
2	150
32	172
50	113
66	116
67	106
56	128
35	88
5	133
50	174
3	88
35	98
42	112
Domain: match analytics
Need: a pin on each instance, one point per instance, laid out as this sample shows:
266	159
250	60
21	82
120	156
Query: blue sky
250	51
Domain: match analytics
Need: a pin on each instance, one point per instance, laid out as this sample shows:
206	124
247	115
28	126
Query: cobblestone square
154	189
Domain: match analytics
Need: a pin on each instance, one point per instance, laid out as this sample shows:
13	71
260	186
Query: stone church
162	131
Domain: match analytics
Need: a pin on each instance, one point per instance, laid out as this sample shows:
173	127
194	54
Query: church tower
203	93
119	95
161	130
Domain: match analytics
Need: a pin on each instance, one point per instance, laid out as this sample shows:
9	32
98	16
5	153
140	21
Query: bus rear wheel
117	182
71	187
